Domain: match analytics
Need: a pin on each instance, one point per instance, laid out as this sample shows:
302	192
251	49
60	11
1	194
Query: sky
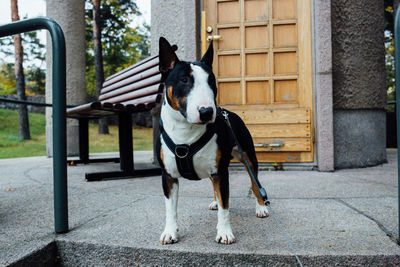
34	8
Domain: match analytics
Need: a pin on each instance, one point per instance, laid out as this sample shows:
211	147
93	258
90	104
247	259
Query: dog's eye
184	80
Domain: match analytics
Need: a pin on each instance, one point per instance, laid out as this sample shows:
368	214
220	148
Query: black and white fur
188	106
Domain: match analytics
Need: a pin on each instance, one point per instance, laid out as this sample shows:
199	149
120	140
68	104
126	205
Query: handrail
59	110
30	103
397	67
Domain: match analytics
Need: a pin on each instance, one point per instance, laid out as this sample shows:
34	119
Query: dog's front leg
170	187
224	229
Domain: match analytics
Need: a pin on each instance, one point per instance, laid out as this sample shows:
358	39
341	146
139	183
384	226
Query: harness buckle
181	151
225	114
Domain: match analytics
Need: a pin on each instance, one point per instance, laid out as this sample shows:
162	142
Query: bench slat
138	67
91	114
142	100
141	106
131	87
82	108
140	76
135	88
152	89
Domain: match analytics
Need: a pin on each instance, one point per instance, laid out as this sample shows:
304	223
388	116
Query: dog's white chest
204	161
182	132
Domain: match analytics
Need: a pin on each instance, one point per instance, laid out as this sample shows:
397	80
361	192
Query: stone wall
359	91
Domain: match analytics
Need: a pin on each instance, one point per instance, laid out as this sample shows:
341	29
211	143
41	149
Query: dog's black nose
206	114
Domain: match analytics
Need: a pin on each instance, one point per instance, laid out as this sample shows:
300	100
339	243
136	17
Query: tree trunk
19	75
395	6
98	59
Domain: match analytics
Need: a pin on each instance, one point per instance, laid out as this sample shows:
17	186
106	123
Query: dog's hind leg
170	187
214	204
246	142
224	229
261	208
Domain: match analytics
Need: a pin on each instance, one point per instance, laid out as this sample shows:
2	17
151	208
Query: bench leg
84	140
125	142
84	146
126	155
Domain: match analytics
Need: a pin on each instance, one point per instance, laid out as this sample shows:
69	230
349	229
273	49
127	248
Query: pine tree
19	76
98	59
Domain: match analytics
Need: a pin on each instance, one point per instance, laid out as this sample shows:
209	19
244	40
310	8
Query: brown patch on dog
170	182
214	189
255	191
217	158
162	156
253	185
174	100
224	203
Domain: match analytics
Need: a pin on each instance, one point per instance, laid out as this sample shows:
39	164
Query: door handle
270	145
213	37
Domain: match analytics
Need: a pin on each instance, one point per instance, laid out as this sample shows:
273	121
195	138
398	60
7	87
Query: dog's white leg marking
170	234
213	205
261	210
224	230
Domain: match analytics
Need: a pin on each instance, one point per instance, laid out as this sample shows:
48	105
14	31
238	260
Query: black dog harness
184	153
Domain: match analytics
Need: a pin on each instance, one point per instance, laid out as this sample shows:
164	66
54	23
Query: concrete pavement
348	217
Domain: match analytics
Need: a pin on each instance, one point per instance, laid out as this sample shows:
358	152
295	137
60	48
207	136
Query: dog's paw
213	205
261	211
168	237
225	237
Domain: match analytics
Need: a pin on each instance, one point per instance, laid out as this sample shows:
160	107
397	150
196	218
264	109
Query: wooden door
264	72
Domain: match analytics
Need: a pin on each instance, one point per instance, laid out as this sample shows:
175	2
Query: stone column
323	84
359	91
177	21
71	17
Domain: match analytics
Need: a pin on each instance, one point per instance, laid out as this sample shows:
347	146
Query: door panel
263	69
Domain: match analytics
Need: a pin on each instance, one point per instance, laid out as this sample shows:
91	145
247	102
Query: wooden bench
136	88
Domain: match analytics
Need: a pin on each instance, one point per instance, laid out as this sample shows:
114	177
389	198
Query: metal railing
59	107
31	103
397	67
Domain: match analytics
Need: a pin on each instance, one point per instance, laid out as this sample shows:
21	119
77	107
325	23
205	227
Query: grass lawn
11	146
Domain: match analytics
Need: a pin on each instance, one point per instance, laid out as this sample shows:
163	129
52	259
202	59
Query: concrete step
65	253
348	217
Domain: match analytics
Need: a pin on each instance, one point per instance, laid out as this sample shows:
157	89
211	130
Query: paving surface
348	217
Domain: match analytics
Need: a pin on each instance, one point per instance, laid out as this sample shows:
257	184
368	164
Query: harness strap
184	153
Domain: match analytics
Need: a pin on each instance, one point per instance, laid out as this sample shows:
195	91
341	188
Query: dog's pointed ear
168	58
209	55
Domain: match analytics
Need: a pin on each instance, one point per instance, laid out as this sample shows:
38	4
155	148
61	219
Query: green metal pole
397	68
59	108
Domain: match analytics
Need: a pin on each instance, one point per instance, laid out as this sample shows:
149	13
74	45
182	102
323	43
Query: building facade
307	76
